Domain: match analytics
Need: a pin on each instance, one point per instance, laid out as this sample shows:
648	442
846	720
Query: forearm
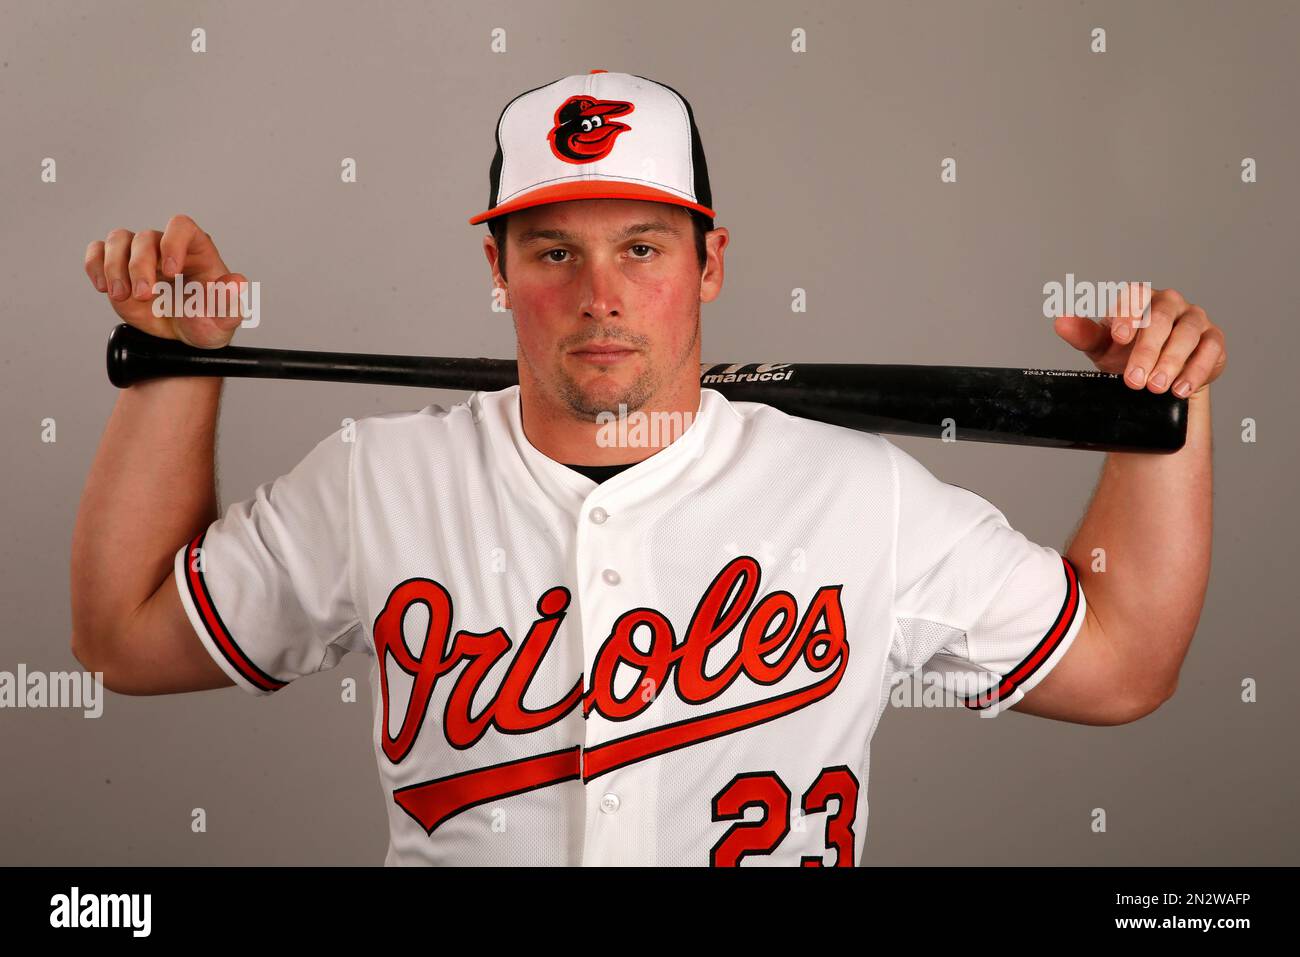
150	489
1150	522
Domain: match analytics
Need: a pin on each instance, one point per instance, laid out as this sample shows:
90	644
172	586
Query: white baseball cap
599	135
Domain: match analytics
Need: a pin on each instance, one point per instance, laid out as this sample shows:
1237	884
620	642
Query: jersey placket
620	805
619	819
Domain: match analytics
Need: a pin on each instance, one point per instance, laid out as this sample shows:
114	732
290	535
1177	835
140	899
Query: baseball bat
1055	408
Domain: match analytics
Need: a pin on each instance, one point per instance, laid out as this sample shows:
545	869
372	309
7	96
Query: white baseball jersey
682	665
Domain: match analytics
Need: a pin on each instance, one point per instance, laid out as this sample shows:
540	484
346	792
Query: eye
643	246
591	122
550	251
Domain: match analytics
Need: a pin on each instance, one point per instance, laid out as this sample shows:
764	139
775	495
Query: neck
555	432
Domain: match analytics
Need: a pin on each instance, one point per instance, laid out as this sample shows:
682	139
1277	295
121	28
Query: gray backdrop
825	167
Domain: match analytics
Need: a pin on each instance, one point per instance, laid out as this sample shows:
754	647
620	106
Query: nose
602	285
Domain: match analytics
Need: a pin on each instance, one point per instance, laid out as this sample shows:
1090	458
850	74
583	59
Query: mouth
604	353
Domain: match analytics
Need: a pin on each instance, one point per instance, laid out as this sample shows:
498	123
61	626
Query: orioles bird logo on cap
584	130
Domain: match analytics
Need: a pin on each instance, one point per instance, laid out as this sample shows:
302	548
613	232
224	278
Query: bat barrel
1071	409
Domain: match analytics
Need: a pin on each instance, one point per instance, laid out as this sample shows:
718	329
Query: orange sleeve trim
216	628
1018	675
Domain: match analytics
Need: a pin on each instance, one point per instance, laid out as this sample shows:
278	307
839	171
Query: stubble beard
601	395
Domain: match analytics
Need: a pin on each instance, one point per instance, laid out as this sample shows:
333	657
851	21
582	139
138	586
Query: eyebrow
530	236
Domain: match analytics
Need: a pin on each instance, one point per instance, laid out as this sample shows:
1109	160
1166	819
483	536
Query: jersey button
610	803
610	576
598	515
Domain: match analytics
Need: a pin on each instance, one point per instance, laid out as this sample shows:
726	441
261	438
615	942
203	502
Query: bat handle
134	356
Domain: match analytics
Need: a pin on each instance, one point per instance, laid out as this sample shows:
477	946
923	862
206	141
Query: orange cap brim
588	189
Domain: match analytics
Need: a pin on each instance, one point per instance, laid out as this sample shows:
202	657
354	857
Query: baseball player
611	616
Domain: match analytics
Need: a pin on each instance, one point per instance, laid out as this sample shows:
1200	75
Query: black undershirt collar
599	473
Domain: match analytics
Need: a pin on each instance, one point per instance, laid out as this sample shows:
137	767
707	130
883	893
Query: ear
493	255
715	242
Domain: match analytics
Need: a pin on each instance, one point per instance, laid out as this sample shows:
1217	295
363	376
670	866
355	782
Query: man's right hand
125	265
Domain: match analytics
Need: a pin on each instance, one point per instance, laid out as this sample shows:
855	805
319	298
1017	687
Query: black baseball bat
1056	408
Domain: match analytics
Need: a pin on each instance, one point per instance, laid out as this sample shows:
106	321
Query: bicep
1091	684
158	652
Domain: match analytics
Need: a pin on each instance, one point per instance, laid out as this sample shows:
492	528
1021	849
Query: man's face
595	273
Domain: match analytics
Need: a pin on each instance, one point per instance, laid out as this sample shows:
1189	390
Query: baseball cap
598	135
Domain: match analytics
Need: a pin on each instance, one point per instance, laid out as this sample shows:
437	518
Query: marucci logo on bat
819	641
761	372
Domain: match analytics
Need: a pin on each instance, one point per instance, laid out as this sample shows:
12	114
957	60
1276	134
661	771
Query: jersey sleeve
977	606
267	586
